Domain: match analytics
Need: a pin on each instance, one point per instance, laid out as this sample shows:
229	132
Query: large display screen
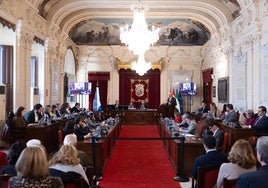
188	88
80	88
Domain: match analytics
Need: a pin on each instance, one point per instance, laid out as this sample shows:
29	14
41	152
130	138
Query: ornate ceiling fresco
98	22
172	32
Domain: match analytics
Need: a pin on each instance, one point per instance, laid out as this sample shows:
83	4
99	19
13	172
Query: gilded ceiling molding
211	13
123	65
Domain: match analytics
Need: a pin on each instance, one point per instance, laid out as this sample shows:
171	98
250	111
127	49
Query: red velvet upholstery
76	183
4	180
226	141
3	158
200	128
229	183
60	136
207	177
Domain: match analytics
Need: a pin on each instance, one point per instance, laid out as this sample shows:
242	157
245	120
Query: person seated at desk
81	130
216	133
65	109
211	158
34	115
213	110
202	109
143	105
116	105
231	116
223	112
19	122
250	117
192	126
261	123
57	110
131	106
178	118
48	112
76	108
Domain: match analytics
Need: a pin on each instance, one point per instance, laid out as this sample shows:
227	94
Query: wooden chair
229	183
75	183
225	144
207	177
4	180
200	128
60	137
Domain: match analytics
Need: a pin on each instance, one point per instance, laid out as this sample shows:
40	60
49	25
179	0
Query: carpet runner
139	163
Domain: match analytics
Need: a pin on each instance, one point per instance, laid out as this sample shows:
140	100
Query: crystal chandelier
138	37
141	66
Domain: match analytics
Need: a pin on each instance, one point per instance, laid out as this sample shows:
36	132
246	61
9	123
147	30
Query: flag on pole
179	101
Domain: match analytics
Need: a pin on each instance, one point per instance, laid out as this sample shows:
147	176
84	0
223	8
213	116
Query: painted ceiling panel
173	32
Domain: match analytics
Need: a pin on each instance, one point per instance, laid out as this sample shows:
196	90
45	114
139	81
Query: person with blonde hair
32	170
66	165
241	159
71	140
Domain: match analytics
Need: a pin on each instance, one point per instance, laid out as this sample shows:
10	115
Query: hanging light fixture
138	37
141	67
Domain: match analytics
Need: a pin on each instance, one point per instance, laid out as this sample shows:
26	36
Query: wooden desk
167	110
140	117
46	134
192	149
103	149
137	117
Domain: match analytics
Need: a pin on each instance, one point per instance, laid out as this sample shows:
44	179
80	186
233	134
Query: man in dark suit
171	100
231	116
116	105
216	133
34	115
261	123
211	158
259	178
143	105
203	108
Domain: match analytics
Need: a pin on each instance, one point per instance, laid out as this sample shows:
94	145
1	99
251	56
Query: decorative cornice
7	24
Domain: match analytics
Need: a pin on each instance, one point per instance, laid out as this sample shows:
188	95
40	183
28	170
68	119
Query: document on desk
189	135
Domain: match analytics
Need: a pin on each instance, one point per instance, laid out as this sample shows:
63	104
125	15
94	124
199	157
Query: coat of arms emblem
139	90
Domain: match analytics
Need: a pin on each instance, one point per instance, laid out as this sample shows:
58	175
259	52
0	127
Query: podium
167	110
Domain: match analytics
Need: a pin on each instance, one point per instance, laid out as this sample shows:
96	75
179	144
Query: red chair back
75	183
60	136
200	128
3	158
226	141
229	183
207	177
4	180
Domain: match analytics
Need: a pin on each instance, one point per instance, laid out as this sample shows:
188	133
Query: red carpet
139	163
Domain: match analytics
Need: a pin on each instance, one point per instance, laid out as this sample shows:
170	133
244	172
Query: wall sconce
212	76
